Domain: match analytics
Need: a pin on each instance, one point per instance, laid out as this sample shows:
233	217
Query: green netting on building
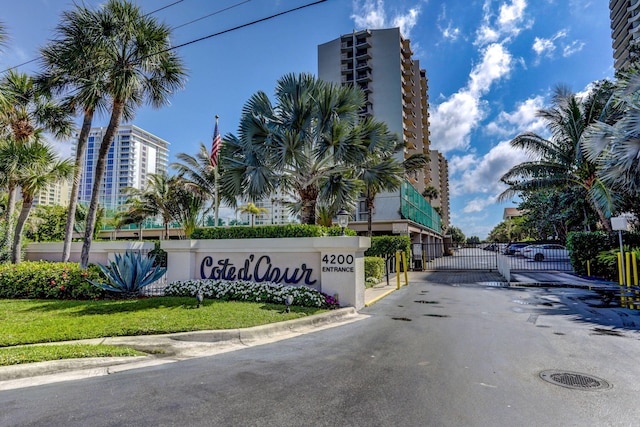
415	208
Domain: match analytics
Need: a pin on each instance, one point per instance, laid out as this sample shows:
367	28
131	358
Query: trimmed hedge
49	280
269	232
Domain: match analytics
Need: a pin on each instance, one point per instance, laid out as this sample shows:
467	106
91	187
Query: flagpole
215	175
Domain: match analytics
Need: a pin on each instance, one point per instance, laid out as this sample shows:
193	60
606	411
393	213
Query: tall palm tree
70	68
135	53
308	141
558	161
25	113
41	167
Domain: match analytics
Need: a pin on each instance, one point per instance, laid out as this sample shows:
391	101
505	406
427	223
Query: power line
211	14
241	26
164	7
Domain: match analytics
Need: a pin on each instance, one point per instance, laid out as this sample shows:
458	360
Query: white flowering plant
242	290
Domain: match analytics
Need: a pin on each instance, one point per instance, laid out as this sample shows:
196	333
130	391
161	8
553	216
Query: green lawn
44	321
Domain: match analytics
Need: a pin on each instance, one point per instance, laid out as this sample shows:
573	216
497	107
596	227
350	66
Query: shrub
586	246
386	246
269	232
129	273
241	290
49	280
373	270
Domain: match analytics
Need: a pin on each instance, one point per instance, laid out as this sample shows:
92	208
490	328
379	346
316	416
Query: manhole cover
574	380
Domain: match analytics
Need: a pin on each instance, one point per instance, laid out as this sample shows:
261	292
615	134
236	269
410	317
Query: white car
542	252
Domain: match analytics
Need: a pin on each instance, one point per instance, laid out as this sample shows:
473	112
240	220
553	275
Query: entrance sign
333	265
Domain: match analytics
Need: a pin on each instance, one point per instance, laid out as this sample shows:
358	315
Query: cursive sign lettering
262	270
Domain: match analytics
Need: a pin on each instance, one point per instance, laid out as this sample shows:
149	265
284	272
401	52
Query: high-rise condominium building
625	29
134	154
381	63
440	180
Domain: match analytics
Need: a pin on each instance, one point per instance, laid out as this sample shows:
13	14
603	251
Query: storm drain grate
574	380
421	301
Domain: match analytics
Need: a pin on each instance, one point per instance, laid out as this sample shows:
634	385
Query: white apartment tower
381	63
133	155
625	29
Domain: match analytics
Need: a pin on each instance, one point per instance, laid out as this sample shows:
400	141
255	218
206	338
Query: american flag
215	145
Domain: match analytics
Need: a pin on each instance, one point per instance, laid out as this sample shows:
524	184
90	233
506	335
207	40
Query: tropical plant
198	173
612	142
41	167
129	273
558	162
70	67
430	193
26	112
134	51
252	210
309	141
158	198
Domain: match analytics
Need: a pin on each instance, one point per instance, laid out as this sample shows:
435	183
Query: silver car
548	251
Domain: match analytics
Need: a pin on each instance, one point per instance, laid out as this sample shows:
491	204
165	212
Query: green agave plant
129	273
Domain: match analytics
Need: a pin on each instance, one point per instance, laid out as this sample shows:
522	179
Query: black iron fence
483	257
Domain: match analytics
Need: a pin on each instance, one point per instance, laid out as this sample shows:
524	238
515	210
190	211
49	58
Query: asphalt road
427	355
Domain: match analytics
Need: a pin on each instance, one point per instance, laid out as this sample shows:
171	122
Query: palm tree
135	53
199	176
308	141
613	143
252	210
70	68
25	113
158	198
41	167
430	193
559	162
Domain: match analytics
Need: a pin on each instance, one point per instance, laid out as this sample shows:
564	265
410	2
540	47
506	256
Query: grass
46	321
42	353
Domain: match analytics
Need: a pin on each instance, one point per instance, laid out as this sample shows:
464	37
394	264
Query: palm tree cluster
313	145
587	170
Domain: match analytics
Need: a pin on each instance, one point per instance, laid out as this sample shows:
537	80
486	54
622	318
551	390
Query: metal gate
481	257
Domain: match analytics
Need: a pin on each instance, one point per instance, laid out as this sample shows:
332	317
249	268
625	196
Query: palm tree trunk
369	201
27	203
114	122
75	188
5	247
308	198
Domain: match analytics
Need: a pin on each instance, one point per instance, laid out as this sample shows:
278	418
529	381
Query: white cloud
477	205
524	118
453	120
575	47
482	174
511	20
371	14
448	31
543	46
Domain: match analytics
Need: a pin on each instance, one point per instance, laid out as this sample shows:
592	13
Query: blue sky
491	65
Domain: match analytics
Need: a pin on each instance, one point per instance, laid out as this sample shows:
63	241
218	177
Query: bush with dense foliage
49	280
587	246
386	246
373	269
242	290
269	232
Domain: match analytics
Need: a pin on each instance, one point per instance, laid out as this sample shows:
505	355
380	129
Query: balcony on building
362	54
347	57
362	42
362	76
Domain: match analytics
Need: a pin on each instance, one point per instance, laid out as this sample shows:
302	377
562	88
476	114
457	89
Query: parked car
515	248
542	252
